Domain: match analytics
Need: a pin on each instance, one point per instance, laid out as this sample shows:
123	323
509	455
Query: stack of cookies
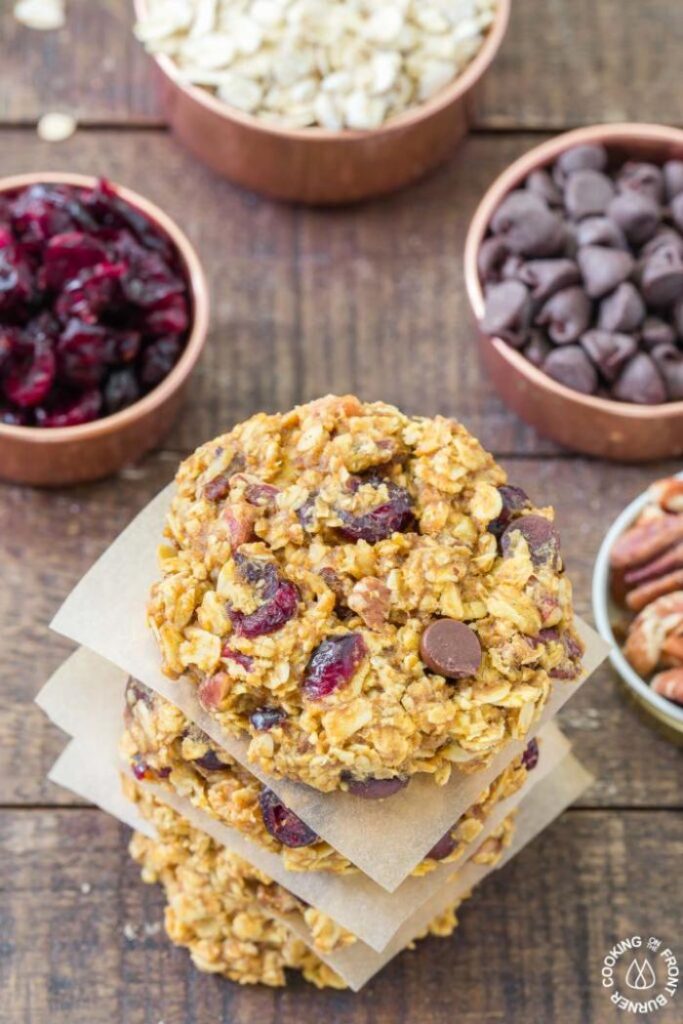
359	626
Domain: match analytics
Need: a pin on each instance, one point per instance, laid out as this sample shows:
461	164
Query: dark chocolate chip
450	648
377	789
542	185
569	365
600	231
610	352
511	267
507	312
661	281
677	210
640	381
545	277
443	847
623	310
637	215
527	225
587	193
579	158
537	348
490	258
603	269
514	499
656	332
673	178
641	177
566	315
663	236
678	317
669	361
541	537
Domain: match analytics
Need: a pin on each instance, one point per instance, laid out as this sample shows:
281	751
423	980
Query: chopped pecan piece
370	599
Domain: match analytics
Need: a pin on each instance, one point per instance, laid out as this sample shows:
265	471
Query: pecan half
666	563
646	541
651	630
647	592
669	684
669	494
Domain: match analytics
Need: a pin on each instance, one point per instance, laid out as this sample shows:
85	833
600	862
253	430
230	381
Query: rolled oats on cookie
305	556
160	745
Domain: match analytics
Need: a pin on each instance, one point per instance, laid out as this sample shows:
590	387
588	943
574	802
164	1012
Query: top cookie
310	560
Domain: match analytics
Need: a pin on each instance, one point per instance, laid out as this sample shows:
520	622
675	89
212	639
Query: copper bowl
69	455
315	165
594	426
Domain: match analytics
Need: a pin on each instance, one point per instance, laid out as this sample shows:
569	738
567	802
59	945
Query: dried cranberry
262	495
16	279
66	255
211	762
82	354
121	390
174	318
242	659
89	294
139	767
31	373
393	516
442	848
158	359
267	718
71	412
333	663
14	417
514	500
377	789
530	755
136	691
283	824
272	614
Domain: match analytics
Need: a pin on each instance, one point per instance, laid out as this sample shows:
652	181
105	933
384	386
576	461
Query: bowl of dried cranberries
103	315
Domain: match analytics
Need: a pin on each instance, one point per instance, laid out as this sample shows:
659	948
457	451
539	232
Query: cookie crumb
130	932
85	888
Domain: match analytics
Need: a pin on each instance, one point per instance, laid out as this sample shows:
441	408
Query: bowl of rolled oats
321	101
638	599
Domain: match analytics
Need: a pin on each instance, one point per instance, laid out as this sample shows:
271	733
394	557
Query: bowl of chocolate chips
574	269
103	315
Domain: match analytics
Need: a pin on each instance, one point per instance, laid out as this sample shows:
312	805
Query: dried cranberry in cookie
283	824
332	664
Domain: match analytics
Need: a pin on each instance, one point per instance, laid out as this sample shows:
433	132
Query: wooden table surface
371	300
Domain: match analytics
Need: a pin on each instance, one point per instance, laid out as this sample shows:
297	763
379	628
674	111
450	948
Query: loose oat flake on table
336	64
230	916
44	15
306	554
161	746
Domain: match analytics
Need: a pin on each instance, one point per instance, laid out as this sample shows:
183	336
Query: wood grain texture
610	61
51	538
529	946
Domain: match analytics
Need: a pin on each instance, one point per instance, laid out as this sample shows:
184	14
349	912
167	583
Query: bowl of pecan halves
638	598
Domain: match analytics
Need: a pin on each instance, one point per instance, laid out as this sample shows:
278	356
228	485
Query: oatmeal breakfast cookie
362	594
160	745
229	916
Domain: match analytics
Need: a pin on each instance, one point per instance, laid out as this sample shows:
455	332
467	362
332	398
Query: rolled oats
44	15
345	493
330	63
